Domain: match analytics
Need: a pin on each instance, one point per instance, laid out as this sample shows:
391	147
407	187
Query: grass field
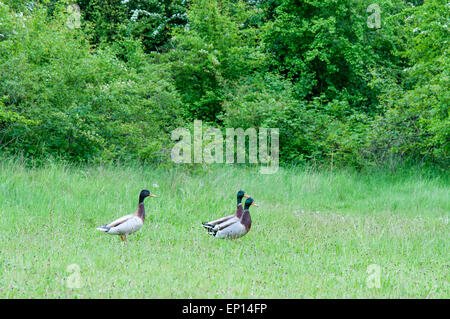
314	235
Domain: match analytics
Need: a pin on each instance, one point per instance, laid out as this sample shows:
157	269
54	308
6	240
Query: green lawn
314	234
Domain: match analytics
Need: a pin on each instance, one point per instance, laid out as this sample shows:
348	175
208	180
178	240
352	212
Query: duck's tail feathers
212	231
209	227
104	229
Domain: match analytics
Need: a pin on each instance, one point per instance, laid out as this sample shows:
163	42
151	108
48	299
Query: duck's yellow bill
253	204
153	195
247	196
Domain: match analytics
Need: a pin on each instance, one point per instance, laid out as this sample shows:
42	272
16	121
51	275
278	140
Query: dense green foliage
148	20
60	97
341	90
415	122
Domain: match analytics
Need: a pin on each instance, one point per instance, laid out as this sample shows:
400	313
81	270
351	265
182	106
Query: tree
218	46
416	124
151	21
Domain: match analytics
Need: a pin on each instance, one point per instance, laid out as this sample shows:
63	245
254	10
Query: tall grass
314	235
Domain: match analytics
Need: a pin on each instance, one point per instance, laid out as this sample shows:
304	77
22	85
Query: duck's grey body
224	221
234	227
126	226
234	230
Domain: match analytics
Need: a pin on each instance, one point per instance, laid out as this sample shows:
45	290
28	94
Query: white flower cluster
136	13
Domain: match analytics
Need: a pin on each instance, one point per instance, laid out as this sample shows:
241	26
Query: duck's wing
233	230
129	226
211	224
227	223
120	220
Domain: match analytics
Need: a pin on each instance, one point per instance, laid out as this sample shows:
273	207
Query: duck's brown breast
239	211
246	220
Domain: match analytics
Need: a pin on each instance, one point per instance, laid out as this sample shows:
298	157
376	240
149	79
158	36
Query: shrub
61	97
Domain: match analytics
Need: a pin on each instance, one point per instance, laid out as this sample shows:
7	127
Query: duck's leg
125	239
121	237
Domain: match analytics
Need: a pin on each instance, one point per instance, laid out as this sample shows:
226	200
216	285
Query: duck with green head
130	223
237	215
235	228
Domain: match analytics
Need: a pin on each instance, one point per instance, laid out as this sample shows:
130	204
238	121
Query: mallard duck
237	214
130	223
235	227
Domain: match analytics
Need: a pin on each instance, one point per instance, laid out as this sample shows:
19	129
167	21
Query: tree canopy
345	81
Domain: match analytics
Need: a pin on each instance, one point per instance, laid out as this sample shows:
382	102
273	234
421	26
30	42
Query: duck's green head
249	202
240	195
144	194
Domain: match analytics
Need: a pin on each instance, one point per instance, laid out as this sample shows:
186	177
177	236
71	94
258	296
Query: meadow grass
314	234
